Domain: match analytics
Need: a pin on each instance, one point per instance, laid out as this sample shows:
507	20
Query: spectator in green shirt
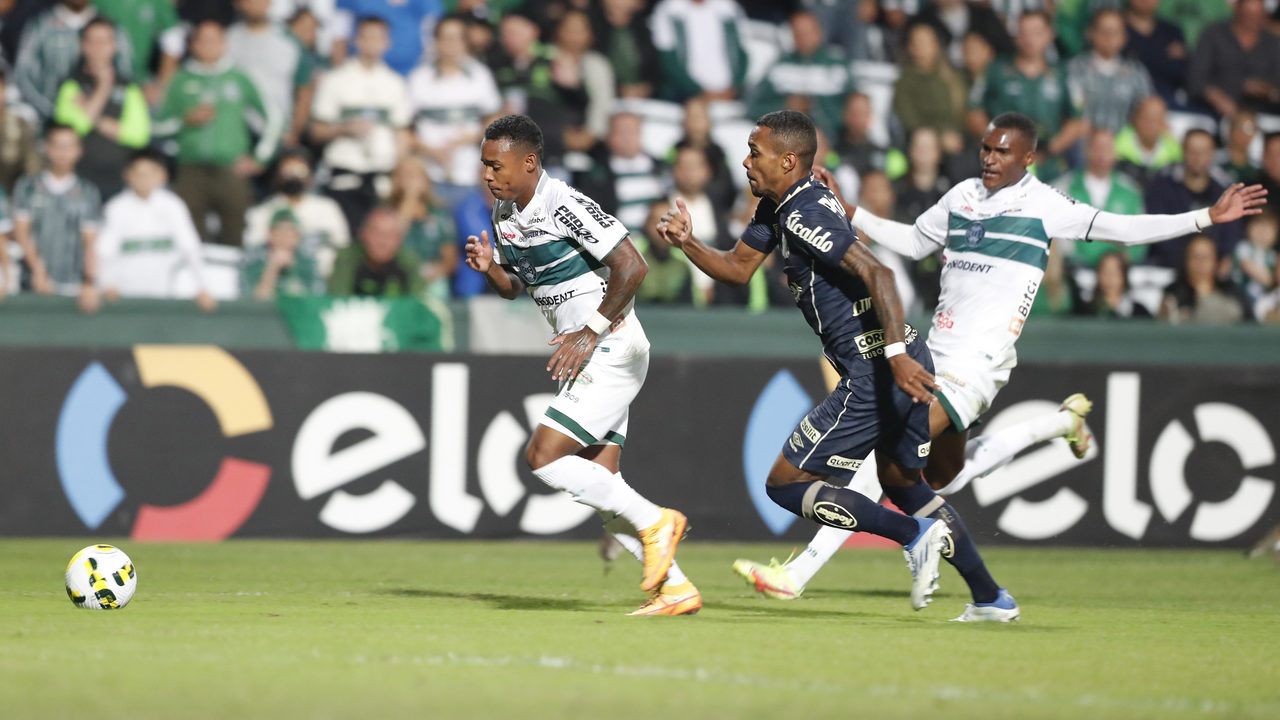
379	265
149	24
1099	184
813	78
1028	83
106	110
281	267
430	232
209	108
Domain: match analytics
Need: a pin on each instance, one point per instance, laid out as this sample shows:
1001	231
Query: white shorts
966	387
595	407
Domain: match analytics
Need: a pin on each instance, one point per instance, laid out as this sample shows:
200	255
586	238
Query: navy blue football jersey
811	230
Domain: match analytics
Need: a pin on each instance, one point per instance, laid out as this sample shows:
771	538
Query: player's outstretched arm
1237	201
732	267
909	374
898	237
627	269
480	259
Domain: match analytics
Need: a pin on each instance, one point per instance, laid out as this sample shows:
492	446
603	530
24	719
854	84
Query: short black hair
792	132
54	127
371	19
1017	121
520	130
1201	131
1270	137
149	155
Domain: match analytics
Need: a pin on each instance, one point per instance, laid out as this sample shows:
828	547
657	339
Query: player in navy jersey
882	400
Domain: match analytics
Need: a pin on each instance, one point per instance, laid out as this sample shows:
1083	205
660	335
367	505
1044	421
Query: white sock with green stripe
626	535
988	452
591	484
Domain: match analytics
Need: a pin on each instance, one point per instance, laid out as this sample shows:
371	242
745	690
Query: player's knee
939	477
538	455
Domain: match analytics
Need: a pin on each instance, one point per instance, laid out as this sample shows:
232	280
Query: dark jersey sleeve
759	234
816	230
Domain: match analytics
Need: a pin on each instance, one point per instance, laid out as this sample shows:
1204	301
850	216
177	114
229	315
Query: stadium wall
173	442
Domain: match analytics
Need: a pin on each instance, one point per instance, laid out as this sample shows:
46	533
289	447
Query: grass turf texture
535	630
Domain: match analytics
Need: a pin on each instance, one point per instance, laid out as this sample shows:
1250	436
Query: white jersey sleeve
580	218
934	224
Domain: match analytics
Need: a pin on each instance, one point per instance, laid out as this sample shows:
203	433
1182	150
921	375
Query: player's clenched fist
479	252
677	225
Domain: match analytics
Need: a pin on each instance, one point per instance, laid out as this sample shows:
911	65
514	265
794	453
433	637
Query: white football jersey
556	246
995	248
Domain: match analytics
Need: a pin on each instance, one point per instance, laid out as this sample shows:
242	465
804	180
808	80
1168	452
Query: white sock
986	453
829	540
626	535
591	484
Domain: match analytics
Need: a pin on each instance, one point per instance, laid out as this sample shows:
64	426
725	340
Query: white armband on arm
1146	229
899	237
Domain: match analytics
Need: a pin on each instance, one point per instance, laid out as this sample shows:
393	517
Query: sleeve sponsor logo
809	430
815	236
923	450
593	209
575	225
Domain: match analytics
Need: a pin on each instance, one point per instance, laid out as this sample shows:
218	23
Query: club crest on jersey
527	272
974	234
814	236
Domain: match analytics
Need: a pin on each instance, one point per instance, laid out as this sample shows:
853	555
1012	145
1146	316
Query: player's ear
789	161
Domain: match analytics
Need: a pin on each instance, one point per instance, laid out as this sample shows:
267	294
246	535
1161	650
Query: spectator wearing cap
109	112
322	227
148	239
281	266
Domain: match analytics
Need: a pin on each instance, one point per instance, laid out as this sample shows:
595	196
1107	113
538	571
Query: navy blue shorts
861	415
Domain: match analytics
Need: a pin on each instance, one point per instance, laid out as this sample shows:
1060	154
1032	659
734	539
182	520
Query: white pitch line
1206	706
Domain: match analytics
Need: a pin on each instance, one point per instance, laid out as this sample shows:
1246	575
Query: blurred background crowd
223	149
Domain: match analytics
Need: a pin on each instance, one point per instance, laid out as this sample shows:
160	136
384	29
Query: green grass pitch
385	629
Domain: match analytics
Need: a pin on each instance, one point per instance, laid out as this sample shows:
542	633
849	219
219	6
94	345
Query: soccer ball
101	577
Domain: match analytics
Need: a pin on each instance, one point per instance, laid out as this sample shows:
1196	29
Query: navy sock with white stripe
845	509
920	500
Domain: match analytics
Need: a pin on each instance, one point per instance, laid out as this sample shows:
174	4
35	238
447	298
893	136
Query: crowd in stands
332	146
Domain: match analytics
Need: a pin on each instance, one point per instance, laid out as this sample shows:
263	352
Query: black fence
196	443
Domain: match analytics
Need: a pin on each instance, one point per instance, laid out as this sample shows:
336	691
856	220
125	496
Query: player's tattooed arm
627	269
480	258
909	374
732	267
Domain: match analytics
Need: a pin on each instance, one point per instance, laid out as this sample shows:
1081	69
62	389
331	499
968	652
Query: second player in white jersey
556	245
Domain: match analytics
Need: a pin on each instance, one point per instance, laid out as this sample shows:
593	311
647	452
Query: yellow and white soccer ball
101	577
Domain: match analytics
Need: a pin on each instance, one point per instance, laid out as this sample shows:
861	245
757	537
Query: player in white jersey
994	231
580	267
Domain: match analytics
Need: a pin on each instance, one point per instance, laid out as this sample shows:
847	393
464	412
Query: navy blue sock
964	553
845	509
